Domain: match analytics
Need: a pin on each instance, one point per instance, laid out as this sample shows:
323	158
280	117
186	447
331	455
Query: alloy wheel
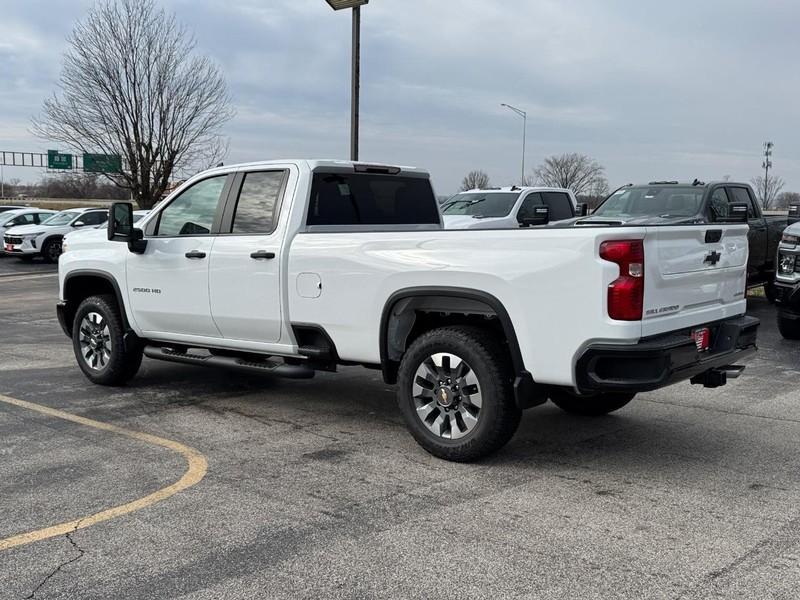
95	340
447	396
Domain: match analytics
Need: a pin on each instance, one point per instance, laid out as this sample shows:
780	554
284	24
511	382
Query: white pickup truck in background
508	208
298	266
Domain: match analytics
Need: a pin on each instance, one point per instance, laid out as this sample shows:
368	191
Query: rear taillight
626	293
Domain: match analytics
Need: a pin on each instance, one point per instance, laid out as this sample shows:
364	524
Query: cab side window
560	205
526	210
257	205
193	212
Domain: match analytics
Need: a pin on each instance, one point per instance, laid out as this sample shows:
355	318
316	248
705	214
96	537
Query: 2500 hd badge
138	290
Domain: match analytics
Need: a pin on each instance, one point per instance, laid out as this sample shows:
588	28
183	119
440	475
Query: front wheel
51	250
789	328
99	343
455	393
589	406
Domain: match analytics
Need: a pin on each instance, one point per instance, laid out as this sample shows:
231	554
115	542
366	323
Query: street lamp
524	116
356	77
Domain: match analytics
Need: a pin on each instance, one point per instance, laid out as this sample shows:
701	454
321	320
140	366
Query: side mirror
737	212
120	222
541	216
120	227
582	210
78	224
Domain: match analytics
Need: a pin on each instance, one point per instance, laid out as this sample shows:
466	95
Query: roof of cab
314	164
516	188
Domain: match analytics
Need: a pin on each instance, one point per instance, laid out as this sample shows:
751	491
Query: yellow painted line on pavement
196	463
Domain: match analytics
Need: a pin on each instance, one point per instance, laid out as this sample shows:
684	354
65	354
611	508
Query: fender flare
99	275
526	391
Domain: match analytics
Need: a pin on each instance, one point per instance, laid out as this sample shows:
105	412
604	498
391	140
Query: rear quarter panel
551	282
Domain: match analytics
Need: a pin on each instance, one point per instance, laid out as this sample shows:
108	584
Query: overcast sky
651	89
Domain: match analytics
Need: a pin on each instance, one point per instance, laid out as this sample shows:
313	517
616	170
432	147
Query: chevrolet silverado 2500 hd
297	266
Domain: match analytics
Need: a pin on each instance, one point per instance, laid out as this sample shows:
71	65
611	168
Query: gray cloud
652	90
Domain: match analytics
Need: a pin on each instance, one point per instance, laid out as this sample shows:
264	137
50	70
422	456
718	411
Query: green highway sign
102	163
56	160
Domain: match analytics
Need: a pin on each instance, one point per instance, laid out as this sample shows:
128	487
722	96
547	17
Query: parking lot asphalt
314	489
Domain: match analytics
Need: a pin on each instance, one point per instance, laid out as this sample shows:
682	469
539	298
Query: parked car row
31	232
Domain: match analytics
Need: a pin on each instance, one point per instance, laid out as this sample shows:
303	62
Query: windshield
481	205
62	218
653	201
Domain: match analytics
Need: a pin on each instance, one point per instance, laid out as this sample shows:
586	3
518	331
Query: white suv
44	239
22	216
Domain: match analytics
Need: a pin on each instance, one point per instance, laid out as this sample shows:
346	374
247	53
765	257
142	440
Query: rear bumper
665	359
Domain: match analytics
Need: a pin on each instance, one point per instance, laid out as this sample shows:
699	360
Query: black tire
122	363
51	250
769	292
789	328
595	405
488	363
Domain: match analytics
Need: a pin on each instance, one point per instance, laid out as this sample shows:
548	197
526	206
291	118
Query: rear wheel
789	328
51	250
455	393
590	406
98	340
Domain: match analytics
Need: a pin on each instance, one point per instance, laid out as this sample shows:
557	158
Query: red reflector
626	293
702	338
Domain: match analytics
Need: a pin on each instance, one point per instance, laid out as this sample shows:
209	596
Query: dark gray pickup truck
670	202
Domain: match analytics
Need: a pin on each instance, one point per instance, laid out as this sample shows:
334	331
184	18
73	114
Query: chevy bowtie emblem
713	258
443	396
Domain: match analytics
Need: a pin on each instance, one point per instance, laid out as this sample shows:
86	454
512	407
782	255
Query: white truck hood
468	222
793	229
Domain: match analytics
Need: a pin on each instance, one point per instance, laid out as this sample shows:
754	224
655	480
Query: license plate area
9	247
702	339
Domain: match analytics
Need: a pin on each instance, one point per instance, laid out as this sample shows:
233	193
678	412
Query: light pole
356	75
524	116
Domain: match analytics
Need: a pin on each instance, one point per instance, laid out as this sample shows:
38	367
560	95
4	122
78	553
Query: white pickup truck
297	266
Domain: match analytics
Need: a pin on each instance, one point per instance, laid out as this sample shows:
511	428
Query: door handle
195	254
263	255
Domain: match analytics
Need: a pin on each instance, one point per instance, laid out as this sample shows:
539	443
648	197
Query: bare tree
79	185
767	190
577	172
475	180
132	85
784	199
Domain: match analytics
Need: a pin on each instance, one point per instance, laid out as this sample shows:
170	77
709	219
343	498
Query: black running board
267	367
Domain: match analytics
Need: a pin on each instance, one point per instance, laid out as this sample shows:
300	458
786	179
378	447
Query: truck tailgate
694	274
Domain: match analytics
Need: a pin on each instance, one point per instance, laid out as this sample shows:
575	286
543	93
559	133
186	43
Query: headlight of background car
790	239
786	264
30	236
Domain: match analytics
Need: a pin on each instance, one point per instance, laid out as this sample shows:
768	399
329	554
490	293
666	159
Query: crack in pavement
58	569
